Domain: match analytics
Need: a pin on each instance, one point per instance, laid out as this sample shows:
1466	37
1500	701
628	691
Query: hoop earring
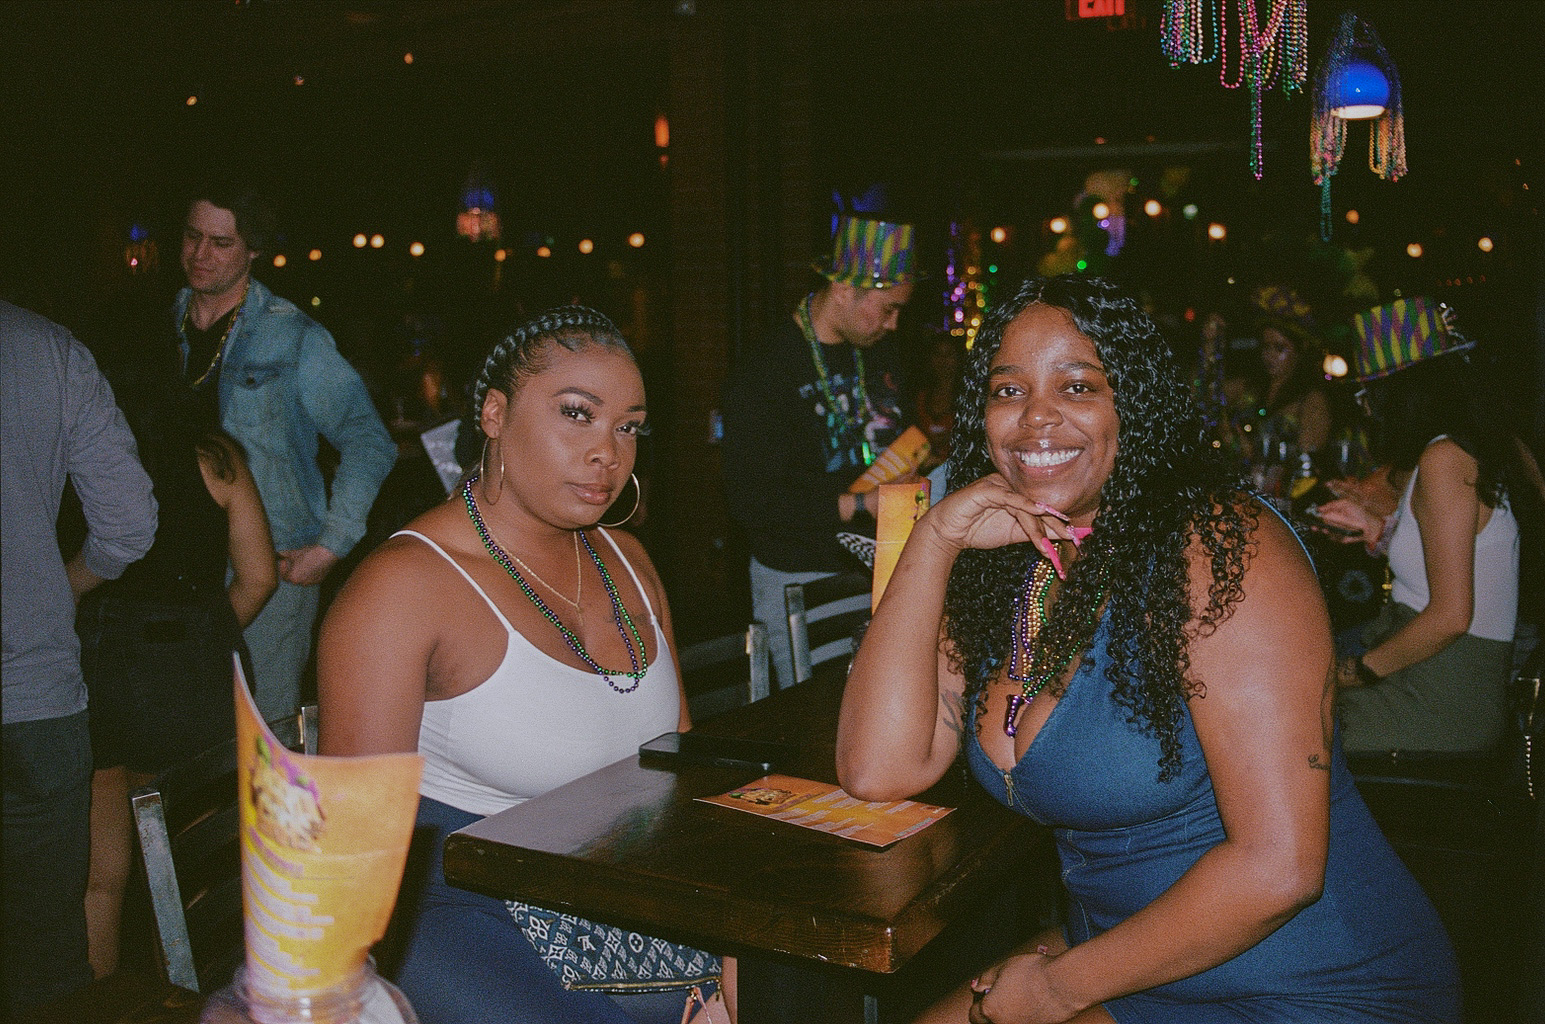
638	497
482	471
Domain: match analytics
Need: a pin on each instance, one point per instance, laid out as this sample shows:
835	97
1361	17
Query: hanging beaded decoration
1036	659
845	428
634	643
1328	133
1262	55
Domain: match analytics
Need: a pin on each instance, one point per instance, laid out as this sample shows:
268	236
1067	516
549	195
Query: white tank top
1496	568
536	723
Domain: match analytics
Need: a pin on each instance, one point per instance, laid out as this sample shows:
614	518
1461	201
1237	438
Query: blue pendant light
1357	81
1357	90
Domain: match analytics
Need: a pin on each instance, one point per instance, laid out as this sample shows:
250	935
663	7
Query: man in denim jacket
278	383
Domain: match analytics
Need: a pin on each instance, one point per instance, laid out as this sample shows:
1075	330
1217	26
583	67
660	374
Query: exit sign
1077	9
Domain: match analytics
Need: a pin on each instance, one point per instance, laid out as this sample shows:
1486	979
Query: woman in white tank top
517	645
1434	669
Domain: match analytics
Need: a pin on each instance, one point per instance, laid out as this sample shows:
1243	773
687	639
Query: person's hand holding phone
1346	520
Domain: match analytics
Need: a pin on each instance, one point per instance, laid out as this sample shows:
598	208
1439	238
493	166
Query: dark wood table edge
690	914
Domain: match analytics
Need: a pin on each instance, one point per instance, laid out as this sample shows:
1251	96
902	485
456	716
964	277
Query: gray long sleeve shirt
57	419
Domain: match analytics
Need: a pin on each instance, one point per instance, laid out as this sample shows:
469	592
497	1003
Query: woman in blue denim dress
1126	646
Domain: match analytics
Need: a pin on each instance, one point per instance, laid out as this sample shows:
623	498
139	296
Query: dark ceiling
952	102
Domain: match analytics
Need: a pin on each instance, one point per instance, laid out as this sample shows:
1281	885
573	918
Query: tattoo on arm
953	716
1320	762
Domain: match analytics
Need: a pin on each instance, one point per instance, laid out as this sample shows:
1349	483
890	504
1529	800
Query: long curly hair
1167	485
523	351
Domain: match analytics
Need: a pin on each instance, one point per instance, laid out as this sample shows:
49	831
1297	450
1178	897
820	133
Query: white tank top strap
464	575
649	608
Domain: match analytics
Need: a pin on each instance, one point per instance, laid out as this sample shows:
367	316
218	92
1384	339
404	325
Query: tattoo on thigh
1320	762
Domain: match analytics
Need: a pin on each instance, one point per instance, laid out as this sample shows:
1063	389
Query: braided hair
523	351
1167	486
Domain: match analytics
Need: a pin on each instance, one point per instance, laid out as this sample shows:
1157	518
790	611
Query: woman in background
1433	668
1292	406
156	643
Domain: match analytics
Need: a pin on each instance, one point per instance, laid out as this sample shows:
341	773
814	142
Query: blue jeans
279	640
47	849
467	963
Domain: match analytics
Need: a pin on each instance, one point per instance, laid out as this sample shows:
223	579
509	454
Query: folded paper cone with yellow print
323	843
901	506
905	456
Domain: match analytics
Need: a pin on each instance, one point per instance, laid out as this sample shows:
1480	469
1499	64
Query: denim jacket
282	384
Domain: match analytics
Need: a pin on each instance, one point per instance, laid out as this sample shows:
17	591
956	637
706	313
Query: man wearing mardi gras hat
807	412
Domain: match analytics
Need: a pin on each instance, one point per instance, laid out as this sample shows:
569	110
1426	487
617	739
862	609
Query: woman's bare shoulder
633	550
404	564
1445	456
1276	565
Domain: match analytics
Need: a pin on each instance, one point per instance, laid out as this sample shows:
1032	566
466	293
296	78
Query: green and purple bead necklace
631	639
844	426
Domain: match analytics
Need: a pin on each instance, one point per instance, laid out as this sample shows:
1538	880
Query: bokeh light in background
376	241
1058	225
359	241
416	249
636	239
1217	232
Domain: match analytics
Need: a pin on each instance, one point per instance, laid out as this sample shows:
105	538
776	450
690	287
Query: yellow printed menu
902	458
901	506
827	808
323	843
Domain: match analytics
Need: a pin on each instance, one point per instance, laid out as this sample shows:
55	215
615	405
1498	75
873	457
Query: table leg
777	992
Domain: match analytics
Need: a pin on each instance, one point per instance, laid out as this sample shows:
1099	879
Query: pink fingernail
1050	511
1043	950
1051	552
1079	533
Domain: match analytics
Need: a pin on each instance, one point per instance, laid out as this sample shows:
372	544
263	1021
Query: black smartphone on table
674	748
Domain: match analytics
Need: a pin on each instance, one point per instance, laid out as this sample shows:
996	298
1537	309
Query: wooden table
821	925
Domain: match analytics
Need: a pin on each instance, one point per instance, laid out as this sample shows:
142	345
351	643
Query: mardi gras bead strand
846	425
625	626
1034	659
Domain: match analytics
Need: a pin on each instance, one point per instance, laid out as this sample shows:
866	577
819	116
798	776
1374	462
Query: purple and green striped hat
870	254
1403	332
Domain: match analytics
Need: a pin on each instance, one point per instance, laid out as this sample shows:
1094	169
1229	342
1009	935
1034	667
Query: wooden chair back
189	837
825	616
726	672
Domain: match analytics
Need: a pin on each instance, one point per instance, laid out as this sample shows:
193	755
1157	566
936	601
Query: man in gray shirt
59	419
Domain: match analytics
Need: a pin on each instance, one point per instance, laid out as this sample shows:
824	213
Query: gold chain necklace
579	573
229	327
